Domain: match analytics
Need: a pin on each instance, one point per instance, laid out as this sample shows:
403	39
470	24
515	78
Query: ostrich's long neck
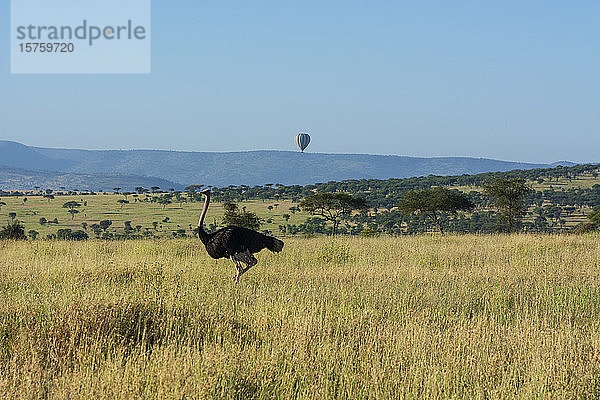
201	233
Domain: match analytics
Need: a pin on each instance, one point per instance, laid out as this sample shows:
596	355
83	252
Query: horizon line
293	151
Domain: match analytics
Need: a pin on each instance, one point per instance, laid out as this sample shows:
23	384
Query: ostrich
235	242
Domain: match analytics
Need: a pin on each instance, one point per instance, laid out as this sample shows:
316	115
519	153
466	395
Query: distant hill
562	164
249	168
20	156
21	179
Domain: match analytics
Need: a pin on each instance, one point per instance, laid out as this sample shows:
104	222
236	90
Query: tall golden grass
412	317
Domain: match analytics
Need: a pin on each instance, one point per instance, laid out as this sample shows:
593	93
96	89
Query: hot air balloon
302	140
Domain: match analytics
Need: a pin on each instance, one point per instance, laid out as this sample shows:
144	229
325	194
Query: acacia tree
508	196
164	201
71	205
245	219
105	224
434	202
191	192
332	206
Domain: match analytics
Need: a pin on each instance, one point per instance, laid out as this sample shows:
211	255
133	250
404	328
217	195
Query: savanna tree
72	205
434	202
508	195
332	206
105	224
245	219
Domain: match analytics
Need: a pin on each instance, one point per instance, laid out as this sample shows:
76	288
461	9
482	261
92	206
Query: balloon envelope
302	140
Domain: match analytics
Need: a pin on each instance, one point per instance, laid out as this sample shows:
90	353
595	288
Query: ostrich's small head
206	192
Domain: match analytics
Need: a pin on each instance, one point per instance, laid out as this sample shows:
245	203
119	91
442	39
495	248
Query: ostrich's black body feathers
233	240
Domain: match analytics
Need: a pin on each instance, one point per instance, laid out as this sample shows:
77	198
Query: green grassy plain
425	316
96	208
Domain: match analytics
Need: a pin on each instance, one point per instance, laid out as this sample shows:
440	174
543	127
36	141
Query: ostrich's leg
243	269
236	278
239	269
243	258
248	260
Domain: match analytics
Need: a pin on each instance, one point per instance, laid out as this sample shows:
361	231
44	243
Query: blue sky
513	80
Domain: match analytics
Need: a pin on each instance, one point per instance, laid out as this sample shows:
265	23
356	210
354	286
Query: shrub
67	234
13	230
584	227
595	216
